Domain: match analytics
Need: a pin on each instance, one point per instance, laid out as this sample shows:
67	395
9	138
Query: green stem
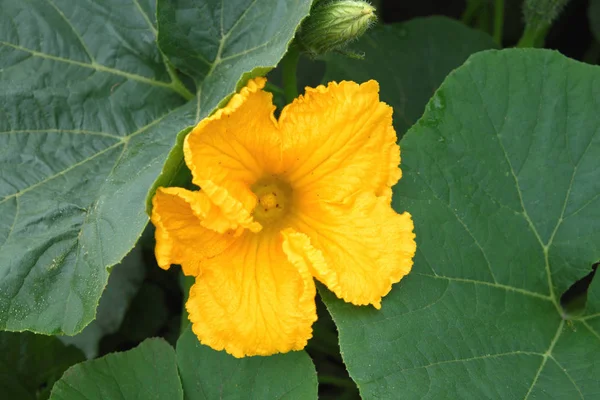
498	21
484	20
270	87
176	83
533	37
186	283
470	11
289	65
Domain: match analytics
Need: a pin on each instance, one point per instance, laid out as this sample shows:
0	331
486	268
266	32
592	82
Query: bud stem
289	64
539	16
533	37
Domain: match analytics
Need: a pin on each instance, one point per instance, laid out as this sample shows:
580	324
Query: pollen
273	200
269	201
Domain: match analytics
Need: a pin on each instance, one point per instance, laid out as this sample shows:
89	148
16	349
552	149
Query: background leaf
502	178
217	41
123	284
147	372
594	17
147	313
409	60
89	111
30	364
209	374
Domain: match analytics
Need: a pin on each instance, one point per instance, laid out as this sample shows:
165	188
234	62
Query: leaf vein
146	17
545	356
70	131
592	330
464	225
564	370
60	173
94	66
77	35
491	284
459	360
123	140
520	194
12	226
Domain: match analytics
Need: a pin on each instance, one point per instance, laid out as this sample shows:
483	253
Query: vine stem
289	65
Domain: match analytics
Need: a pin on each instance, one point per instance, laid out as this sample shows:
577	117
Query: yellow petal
338	140
181	235
357	250
233	148
254	299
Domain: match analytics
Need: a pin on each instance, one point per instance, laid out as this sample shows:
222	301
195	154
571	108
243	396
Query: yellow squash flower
282	202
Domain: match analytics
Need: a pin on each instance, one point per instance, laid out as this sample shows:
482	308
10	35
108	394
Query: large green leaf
88	117
30	364
207	374
217	41
409	60
88	113
147	372
502	177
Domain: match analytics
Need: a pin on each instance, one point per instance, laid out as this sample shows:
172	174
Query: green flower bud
333	24
539	14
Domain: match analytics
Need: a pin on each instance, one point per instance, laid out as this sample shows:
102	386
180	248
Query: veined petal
254	299
182	237
233	148
338	140
357	250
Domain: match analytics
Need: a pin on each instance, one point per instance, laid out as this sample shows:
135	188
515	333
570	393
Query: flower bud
539	14
333	24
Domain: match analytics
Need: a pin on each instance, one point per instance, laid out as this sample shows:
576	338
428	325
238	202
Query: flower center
274	197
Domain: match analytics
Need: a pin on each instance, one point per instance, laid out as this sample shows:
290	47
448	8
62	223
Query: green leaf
147	372
30	364
208	374
88	117
150	372
123	284
409	60
217	41
89	111
502	178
